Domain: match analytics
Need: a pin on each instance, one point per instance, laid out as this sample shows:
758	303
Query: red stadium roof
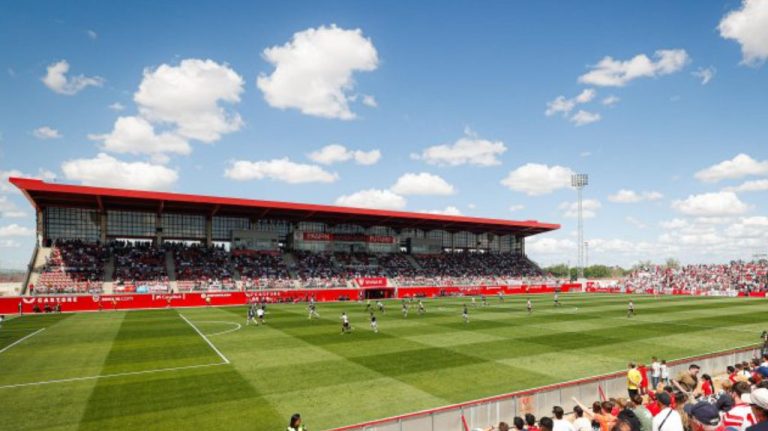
42	194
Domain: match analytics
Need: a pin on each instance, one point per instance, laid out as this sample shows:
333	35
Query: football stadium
380	216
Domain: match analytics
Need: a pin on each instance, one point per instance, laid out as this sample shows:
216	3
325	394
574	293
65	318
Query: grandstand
99	240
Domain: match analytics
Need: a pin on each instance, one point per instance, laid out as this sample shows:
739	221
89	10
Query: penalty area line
108	376
218	352
21	339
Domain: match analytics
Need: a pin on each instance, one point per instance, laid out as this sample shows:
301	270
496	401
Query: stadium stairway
413	262
109	275
290	262
170	268
38	263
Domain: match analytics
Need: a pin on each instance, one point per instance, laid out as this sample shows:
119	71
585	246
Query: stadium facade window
282	227
347	228
222	227
183	226
72	223
131	224
306	226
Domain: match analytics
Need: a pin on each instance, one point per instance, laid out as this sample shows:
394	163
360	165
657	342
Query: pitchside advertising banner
68	303
10	305
372	281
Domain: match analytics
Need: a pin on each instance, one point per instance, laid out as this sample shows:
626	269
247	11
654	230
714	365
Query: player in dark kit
374	325
630	309
405	309
465	314
557	300
485	301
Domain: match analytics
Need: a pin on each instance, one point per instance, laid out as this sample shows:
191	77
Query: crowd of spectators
139	264
262	271
202	268
73	267
736	276
734	401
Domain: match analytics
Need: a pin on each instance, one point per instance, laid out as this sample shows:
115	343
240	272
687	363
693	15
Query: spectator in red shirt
644	382
707	385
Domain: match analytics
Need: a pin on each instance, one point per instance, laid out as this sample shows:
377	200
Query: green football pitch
203	369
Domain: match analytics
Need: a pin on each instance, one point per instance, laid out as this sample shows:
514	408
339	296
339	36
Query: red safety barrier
128	301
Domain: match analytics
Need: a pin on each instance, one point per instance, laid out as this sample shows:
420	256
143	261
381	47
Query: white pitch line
21	339
218	352
107	376
237	326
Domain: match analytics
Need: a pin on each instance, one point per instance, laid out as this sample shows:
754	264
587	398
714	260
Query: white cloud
92	34
616	73
610	100
565	106
740	166
279	170
46	132
537	179
188	97
516	207
449	210
676	223
104	170
56	79
630	196
469	149
749	186
422	184
5	186
15	230
583	118
543	245
9	209
589	208
336	153
711	205
749	27
370	101
705	74
749	227
635	222
313	72
117	106
135	135
9	243
373	198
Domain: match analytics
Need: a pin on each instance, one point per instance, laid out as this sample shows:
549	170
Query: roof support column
158	230
103	227
208	231
40	227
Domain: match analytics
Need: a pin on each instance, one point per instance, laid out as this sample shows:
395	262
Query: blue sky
199	98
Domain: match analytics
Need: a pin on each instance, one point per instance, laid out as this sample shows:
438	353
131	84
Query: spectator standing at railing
634	379
530	421
655	373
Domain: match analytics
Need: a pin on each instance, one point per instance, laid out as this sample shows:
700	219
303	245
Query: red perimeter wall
69	303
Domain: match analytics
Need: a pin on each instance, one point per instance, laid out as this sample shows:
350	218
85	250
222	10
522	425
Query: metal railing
538	401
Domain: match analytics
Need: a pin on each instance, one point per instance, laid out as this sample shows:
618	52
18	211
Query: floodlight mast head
579	180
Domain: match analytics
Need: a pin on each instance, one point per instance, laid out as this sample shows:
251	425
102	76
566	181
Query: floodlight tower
579	181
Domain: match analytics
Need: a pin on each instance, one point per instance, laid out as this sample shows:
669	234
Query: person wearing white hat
758	400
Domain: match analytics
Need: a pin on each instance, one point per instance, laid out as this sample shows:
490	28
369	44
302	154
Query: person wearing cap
704	416
740	416
560	424
758	401
668	419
